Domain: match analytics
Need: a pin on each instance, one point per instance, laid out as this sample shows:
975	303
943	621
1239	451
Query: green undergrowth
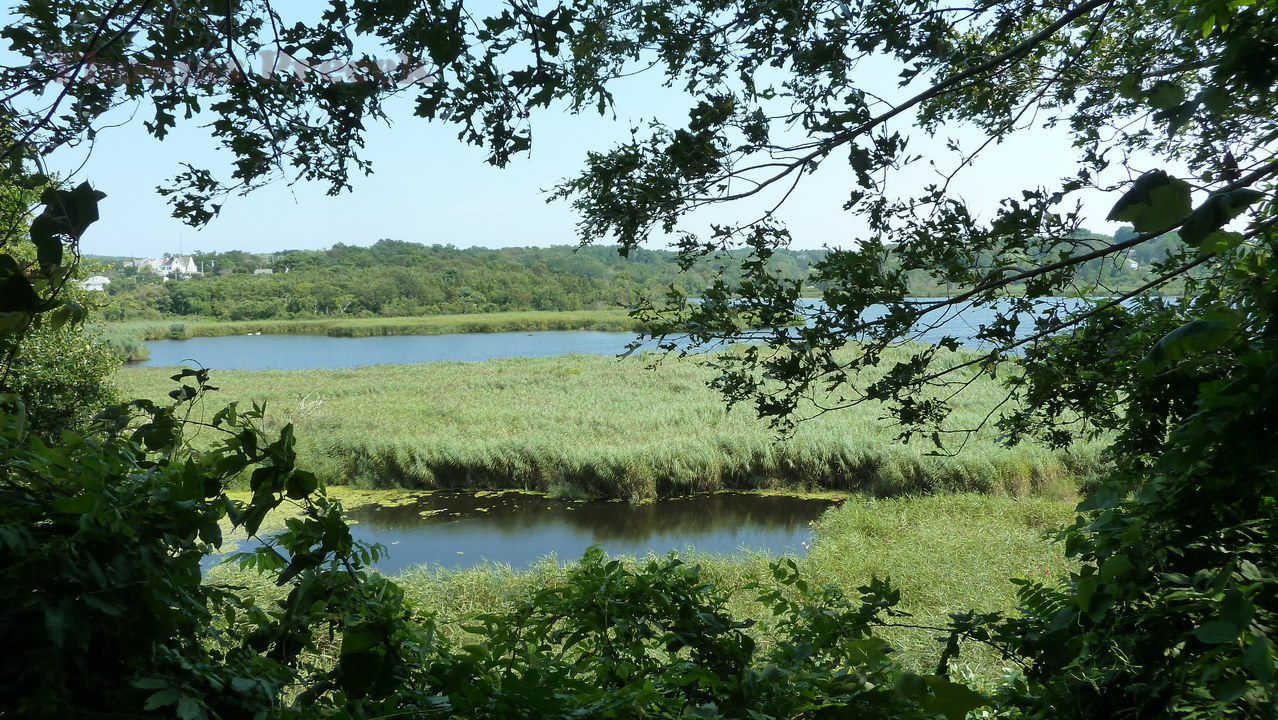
586	426
946	553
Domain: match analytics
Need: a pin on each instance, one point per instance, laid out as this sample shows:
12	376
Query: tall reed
127	343
591	426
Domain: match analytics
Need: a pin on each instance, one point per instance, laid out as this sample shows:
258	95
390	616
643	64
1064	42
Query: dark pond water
461	529
288	352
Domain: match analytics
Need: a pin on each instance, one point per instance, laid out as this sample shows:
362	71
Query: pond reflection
461	529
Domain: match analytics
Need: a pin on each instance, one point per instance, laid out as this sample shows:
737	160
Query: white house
97	282
171	265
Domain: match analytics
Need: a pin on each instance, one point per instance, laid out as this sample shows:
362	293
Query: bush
63	377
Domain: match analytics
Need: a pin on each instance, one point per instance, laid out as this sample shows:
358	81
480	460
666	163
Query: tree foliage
60	373
106	610
64	378
397	279
1169	106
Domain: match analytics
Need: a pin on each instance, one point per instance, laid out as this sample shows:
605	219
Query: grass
948	532
591	426
946	553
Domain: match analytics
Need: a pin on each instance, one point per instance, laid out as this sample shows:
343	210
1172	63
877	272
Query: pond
307	352
304	352
457	529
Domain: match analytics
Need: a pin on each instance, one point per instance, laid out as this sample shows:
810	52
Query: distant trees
397	278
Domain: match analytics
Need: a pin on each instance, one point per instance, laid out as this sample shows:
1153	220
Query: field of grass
946	553
592	426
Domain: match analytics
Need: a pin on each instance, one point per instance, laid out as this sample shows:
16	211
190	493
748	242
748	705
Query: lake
458	529
298	352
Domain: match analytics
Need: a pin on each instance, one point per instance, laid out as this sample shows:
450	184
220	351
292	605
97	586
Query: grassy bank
946	553
589	426
127	337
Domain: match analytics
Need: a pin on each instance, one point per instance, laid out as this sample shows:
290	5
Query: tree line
395	278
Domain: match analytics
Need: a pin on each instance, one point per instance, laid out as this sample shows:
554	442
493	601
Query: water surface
296	352
300	352
461	529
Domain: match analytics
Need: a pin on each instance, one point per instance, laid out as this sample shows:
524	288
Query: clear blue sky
429	188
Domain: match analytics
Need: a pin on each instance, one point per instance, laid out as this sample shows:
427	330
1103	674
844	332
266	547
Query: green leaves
940	696
612	640
119	615
1156	201
17	295
66	215
1166	95
27	292
1217	632
1203	335
1200	227
1259	658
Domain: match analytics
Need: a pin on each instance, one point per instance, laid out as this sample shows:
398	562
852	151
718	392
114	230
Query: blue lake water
290	352
260	352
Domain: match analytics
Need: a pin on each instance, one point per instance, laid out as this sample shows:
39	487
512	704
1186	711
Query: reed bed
589	426
128	344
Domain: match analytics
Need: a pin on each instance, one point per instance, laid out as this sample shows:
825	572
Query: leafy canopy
1169	106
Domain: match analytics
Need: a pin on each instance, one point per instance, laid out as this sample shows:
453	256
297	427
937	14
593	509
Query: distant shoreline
127	338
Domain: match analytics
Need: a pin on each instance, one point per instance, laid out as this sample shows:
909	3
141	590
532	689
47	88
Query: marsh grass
948	554
127	343
589	426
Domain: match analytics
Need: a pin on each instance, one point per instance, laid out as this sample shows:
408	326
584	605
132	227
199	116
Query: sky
427	187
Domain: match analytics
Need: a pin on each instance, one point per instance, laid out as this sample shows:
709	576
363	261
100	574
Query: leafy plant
64	378
1171	612
103	540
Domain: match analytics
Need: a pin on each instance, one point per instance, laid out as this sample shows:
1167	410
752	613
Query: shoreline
128	338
